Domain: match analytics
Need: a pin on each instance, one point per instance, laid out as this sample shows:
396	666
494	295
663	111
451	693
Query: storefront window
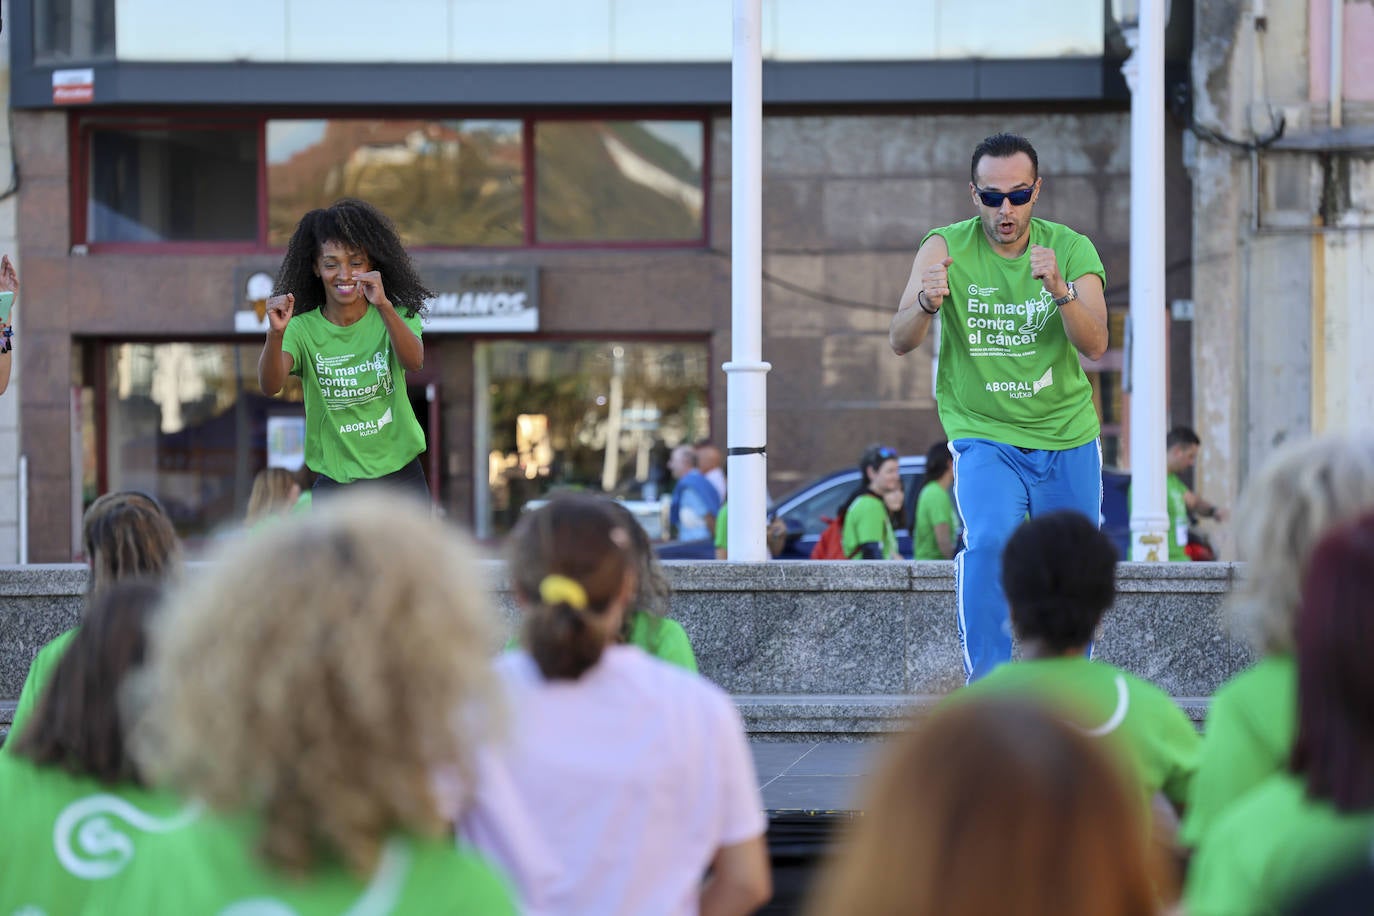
187	423
586	415
151	185
445	183
619	181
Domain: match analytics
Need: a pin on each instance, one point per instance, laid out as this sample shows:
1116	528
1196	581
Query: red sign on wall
73	87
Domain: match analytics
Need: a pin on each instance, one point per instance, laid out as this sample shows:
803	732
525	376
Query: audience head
317	677
127	533
1304	489
682	460
77	724
988	802
1181	446
708	456
1059	575
573	569
652	589
938	461
1334	749
275	490
881	468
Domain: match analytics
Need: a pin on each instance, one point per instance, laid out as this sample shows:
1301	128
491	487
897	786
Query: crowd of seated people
322	719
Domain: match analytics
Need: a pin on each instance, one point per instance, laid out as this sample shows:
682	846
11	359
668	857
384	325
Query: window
73	30
618	181
186	423
589	415
445	183
168	185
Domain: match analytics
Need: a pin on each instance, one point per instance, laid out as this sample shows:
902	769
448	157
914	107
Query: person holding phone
9	291
345	317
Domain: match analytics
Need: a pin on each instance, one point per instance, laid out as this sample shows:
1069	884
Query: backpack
830	546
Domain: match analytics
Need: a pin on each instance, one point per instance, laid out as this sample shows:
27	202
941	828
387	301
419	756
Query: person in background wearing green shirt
1304	489
868	531
76	812
323	687
1059	575
1019	300
125	534
1181	503
1315	818
647	624
937	525
345	316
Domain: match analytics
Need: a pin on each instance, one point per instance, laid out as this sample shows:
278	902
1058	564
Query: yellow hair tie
556	589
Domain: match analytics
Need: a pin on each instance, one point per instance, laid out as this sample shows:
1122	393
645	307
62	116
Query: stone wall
808	649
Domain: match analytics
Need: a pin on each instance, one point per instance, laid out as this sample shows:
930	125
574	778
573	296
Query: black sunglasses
1019	198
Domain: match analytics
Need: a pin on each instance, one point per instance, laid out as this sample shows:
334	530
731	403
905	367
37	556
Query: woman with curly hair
126	534
646	624
624	780
345	316
314	717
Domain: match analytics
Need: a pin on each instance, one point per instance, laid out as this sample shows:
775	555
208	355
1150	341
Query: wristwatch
1071	295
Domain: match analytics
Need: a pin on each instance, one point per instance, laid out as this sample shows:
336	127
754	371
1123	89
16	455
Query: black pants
408	480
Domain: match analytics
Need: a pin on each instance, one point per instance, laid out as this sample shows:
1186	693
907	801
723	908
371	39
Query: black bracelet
921	301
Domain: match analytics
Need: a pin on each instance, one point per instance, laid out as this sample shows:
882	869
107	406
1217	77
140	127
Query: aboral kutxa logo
1023	389
367	427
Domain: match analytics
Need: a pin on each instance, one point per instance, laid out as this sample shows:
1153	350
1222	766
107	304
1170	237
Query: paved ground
811	776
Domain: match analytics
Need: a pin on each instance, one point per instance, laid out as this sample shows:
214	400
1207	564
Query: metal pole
1144	72
746	373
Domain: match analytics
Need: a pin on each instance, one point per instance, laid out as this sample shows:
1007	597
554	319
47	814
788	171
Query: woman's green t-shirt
933	507
40	672
867	521
663	638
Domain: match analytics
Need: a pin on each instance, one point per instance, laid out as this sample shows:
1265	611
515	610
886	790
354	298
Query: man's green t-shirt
663	638
867	520
722	539
933	507
40	673
1177	505
1248	737
359	424
1272	845
1008	371
1138	719
212	867
69	842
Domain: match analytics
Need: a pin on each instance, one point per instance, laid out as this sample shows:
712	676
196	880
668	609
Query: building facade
560	171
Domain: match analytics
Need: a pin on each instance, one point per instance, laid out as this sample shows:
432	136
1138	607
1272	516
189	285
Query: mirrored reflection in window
619	181
187	423
173	185
590	415
442	182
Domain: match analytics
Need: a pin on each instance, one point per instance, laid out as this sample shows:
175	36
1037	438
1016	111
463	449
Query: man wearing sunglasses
1018	300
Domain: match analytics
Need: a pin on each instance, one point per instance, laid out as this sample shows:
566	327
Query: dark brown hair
1334	749
993	807
77	724
127	533
577	537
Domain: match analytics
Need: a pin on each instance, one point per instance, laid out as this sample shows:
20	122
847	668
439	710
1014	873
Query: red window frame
83	124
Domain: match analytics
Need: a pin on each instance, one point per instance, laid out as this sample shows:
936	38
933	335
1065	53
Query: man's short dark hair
1059	574
1000	146
1181	435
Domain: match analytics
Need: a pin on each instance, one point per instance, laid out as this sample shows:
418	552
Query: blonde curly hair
1305	489
319	675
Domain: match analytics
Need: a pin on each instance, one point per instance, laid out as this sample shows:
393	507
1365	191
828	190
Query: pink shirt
612	793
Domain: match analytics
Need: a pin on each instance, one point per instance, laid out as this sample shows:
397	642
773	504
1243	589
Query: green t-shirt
663	638
1251	723
1174	490
723	527
211	867
866	520
69	841
358	419
40	672
1008	371
1272	845
1139	720
933	507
